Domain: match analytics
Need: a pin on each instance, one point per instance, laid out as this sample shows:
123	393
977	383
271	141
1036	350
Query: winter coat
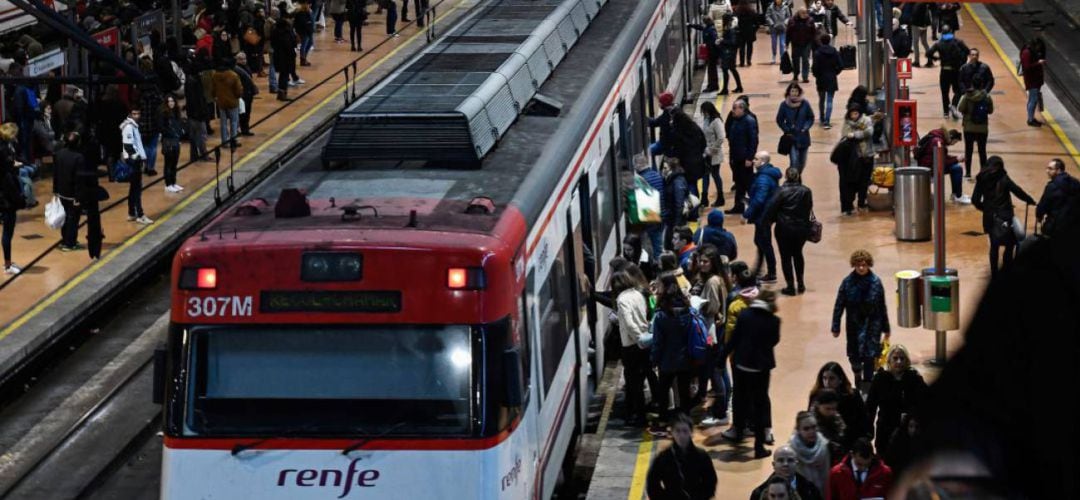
842	484
757	331
834	16
132	140
801	31
666	125
676	189
889	397
827	65
714	140
742	139
901	42
814	461
681	475
1055	199
355	11
766	182
952	51
670	348
748	23
776	18
631	311
796	122
86	183
729	44
862	298
195	102
790	209
969	72
227	89
743	298
714	293
863	128
713	233
248	83
65	165
804	489
303	23
966	107
284	43
993	195
710	38
11	193
927	158
1033	71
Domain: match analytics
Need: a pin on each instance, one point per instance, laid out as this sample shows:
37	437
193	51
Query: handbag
101	193
785	63
784	148
121	171
643	203
702	52
814	236
884	176
241	107
1001	229
251	36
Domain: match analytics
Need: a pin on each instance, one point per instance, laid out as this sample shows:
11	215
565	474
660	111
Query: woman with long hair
710	286
993	197
812	450
851	407
11	197
632	313
713	125
897	389
792	209
670	348
171	130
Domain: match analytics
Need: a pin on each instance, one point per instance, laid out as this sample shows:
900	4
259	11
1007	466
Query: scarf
813	460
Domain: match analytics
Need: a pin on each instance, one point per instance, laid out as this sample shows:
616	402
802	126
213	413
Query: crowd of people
690	316
214	69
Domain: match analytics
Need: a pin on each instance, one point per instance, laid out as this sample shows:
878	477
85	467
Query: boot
283	95
304	62
719	195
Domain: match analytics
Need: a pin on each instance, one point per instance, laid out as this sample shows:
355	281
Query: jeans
800	59
825	99
722	385
714	172
765	252
69	232
171	151
135	189
656	237
682	390
391	19
752	403
798	157
919	36
779	42
972	139
150	146
230	121
1033	96
307	42
949	79
26	182
879	13
93	228
8	218
339	26
956	175
792	263
273	77
197	138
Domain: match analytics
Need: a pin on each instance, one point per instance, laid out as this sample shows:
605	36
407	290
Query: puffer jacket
713	233
765	184
227	89
670	349
863	128
790	209
993	195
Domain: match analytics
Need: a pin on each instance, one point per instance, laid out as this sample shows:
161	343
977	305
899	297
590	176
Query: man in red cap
666	123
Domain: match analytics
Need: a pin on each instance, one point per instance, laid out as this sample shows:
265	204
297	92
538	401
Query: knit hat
667	99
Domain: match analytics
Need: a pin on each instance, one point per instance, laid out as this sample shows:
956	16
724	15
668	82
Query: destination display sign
348	301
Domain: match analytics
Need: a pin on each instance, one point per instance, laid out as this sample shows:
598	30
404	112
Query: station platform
806	343
56	288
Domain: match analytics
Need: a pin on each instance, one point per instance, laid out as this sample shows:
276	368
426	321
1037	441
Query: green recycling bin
941	303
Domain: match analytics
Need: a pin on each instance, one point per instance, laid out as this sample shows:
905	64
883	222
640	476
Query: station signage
45	63
109	38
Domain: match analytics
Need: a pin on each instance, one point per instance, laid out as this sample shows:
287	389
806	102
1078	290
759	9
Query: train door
579	260
592	257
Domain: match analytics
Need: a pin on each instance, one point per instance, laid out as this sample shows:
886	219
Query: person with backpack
827	66
766	182
710	286
993	196
682	471
795	117
976	106
671	348
1055	199
1032	64
742	137
862	298
756	334
924	156
953	53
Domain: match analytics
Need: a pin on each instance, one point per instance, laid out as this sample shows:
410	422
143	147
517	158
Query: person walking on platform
953	53
671	325
862	298
66	164
756	334
713	127
784	464
134	154
811	450
975	74
975	106
743	140
897	389
712	45
682	471
776	18
11	193
925	158
356	14
827	66
833	17
918	15
801	34
1056	196
729	45
861	474
856	163
766	182
795	117
1032	65
791	209
171	132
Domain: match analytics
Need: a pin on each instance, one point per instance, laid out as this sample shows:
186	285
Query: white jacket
632	313
129	134
714	140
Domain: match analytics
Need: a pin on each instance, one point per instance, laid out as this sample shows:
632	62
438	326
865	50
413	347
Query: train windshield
362	380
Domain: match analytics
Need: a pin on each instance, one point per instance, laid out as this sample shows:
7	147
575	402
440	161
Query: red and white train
411	331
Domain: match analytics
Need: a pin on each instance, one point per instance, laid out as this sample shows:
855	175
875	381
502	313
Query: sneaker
12	269
300	81
178	187
144	220
827	126
962	199
74	248
710	421
171	189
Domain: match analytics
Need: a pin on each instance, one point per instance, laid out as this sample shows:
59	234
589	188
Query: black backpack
980	112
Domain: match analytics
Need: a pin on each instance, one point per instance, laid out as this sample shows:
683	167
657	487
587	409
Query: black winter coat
687	475
283	41
66	164
890	397
993	196
803	488
757	331
827	64
790	209
1055	199
11	197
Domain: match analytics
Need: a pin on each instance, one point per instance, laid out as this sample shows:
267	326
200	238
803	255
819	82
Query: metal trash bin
913	204
908	290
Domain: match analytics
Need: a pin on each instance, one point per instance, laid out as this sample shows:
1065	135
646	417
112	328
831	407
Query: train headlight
331	266
465	278
198	278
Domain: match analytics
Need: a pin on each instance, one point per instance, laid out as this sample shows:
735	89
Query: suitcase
847	56
1031	239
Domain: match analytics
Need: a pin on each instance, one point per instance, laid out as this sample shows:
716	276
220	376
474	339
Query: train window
411	380
556	306
603	203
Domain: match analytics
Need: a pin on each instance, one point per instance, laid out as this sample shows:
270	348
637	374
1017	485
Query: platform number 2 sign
218	307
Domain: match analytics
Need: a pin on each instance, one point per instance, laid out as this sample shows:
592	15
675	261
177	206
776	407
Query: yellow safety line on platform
641	467
135	238
1050	120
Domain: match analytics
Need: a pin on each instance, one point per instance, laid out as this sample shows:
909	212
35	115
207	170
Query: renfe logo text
330	477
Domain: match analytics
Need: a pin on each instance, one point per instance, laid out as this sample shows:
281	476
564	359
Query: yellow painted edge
1050	120
641	467
109	256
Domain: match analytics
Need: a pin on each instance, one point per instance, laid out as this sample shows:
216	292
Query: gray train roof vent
454	101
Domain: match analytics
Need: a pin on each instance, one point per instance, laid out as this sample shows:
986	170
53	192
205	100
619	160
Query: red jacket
842	485
1033	71
926	159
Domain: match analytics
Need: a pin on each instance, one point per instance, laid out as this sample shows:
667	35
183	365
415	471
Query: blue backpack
697	336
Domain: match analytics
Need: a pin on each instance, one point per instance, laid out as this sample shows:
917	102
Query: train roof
523	170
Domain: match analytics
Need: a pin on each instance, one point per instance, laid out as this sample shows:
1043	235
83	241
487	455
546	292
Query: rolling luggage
848	53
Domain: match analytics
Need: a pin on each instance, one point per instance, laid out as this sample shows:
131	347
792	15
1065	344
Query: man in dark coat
976	74
742	136
1056	196
284	40
827	65
250	90
683	471
713	233
952	51
757	331
68	161
784	464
